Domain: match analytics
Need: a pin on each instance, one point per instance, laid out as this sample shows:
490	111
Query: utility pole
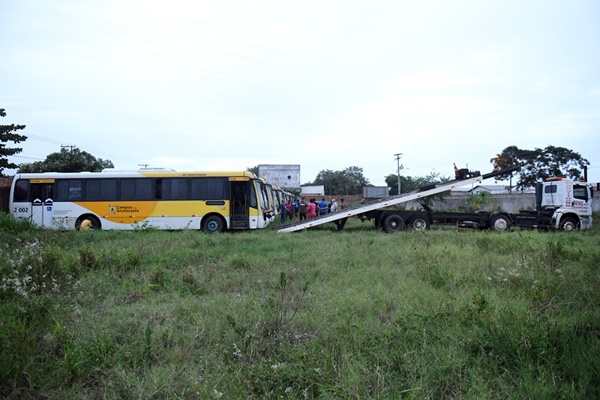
398	155
69	146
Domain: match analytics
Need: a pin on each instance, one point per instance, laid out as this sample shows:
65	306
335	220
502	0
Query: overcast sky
216	85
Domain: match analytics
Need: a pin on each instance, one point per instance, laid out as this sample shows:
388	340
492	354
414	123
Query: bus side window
109	189
177	189
93	190
217	189
21	189
69	190
252	195
100	189
137	189
171	189
198	188
158	188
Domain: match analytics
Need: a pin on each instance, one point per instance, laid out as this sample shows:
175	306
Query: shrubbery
444	313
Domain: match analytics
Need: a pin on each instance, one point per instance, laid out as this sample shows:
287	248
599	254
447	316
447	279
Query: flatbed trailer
560	205
391	220
424	219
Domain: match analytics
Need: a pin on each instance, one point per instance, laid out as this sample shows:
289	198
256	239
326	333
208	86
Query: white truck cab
570	202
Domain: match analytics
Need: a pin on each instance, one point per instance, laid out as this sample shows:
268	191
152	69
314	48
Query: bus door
239	204
41	194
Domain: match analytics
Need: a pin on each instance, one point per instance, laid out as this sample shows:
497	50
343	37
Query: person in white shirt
333	205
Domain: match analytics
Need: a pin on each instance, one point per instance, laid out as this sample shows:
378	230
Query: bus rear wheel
87	223
213	224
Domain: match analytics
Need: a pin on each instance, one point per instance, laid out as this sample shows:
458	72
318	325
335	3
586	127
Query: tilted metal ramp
375	205
426	191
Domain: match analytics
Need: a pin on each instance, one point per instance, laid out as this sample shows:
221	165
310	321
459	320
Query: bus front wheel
213	224
87	223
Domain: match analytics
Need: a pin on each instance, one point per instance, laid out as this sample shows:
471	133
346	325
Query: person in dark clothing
302	209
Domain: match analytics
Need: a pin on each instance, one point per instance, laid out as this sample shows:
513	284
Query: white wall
284	176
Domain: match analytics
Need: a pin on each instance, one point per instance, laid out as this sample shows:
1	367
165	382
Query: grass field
356	314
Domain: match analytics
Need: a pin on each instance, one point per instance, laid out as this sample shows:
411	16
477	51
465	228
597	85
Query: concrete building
284	176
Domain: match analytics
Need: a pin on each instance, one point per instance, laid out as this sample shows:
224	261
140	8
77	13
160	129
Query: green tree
8	134
412	184
480	201
254	170
540	164
73	160
350	181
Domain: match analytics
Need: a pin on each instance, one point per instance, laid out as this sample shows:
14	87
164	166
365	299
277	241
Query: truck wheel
213	224
393	223
500	223
568	224
419	223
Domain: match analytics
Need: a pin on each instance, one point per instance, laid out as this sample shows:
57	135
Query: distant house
285	176
318	190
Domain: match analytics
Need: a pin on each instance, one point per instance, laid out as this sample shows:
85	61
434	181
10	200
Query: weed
240	261
143	226
448	314
15	226
191	285
87	258
159	277
147	353
554	252
289	302
133	260
31	268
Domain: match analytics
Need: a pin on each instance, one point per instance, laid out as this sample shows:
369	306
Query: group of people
312	209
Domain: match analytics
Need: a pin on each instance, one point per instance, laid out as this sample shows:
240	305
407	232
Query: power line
30	158
54	141
42	138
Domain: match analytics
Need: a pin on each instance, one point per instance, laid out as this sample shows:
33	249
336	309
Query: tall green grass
318	314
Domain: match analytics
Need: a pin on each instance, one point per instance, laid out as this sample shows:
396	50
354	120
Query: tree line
536	165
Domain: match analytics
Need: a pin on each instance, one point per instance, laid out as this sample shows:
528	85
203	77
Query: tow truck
561	204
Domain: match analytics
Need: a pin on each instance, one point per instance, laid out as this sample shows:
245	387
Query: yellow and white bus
269	198
210	201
